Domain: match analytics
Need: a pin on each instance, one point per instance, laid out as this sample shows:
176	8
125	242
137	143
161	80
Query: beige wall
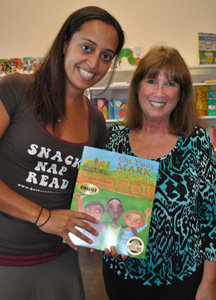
28	27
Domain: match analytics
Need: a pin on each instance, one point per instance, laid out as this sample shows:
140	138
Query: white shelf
204	83
111	87
202	67
209	117
123	87
113	120
122	70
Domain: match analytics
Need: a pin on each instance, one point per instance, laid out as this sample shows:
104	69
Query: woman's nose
160	90
93	61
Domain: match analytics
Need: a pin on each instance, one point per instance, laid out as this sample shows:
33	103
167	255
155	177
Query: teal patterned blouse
183	223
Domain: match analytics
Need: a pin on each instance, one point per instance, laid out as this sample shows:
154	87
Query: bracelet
46	219
39	216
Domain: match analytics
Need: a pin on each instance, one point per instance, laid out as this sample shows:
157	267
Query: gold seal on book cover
88	188
135	246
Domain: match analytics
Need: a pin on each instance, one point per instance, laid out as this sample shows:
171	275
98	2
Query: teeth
85	73
157	104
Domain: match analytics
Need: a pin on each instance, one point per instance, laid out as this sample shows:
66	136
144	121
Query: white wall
28	27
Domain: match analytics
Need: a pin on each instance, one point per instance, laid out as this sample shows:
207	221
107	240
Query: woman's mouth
85	73
157	104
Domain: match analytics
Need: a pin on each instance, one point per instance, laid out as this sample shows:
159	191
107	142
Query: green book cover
207	48
118	190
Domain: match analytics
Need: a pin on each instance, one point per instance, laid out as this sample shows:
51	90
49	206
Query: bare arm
79	201
207	287
147	212
5	119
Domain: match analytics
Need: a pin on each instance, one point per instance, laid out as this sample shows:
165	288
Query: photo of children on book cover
118	190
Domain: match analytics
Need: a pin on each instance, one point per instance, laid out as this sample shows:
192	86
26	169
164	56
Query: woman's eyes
151	81
86	48
170	83
167	83
106	57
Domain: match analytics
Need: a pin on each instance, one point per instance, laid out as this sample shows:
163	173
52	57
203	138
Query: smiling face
89	53
158	97
133	219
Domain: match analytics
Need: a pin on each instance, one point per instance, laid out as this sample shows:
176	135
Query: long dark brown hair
46	90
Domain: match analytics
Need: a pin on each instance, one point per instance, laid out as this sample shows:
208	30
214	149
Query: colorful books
118	190
21	65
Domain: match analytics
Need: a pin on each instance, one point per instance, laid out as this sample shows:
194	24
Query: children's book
102	104
207	48
211	103
201	98
118	190
120	107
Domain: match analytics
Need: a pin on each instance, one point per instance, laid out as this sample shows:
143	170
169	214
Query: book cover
201	98
214	138
37	61
118	190
95	101
27	64
129	57
16	65
120	107
102	104
5	66
211	103
111	109
207	48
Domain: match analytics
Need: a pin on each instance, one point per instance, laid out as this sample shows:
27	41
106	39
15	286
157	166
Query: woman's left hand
207	287
112	252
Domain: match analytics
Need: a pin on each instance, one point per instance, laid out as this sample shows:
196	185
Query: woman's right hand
62	222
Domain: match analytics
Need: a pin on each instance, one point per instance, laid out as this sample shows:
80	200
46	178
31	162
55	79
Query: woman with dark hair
45	122
162	124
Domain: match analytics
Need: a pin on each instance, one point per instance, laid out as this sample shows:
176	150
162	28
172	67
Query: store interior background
27	28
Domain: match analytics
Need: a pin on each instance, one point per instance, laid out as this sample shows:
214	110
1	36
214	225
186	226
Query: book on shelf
210	81
211	95
120	106
102	104
118	190
207	48
201	98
